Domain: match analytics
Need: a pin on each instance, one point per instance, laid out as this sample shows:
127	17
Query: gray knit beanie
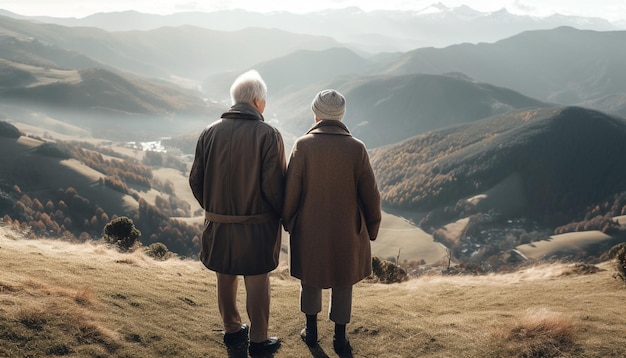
329	104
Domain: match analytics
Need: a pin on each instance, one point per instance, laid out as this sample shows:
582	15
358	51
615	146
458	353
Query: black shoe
341	346
270	345
236	338
308	337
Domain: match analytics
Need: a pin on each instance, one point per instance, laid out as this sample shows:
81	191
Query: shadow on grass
238	351
241	351
318	352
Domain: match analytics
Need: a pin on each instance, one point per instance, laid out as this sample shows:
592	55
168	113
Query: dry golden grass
85	300
540	333
45	76
42	125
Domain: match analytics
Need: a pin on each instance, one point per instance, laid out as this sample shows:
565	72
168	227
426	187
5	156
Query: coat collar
243	111
329	126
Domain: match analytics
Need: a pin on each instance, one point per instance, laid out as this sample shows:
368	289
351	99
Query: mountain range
436	25
564	65
386	109
535	63
166	52
541	108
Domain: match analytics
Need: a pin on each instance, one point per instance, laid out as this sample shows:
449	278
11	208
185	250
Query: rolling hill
565	157
31	51
115	105
24	163
94	88
384	110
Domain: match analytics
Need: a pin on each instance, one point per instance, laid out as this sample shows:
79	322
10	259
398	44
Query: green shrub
158	251
53	150
9	130
122	233
387	271
618	252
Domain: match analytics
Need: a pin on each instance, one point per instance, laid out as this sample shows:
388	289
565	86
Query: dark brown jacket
332	207
238	178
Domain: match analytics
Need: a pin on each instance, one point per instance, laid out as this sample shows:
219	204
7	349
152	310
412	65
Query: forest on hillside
564	156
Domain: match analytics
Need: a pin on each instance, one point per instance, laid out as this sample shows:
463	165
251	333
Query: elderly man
332	211
238	178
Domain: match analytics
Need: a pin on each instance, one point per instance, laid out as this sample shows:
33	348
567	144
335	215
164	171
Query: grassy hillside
34	52
61	299
109	104
94	88
36	172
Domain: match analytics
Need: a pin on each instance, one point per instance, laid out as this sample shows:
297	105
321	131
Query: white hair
248	87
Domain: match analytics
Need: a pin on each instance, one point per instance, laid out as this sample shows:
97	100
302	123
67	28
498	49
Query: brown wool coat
238	178
332	207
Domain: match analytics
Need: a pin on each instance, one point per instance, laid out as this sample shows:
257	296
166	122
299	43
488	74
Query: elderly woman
238	179
332	211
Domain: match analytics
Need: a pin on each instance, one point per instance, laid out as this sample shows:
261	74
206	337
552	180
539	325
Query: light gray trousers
340	305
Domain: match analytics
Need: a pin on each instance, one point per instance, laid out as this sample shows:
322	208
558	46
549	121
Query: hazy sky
609	9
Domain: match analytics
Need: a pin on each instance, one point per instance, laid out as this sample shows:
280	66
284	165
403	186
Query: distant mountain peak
502	12
441	9
435	8
350	10
466	10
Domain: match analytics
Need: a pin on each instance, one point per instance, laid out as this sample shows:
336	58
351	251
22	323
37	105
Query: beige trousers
257	304
340	306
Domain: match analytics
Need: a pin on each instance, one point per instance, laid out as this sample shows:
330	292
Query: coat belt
239	219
